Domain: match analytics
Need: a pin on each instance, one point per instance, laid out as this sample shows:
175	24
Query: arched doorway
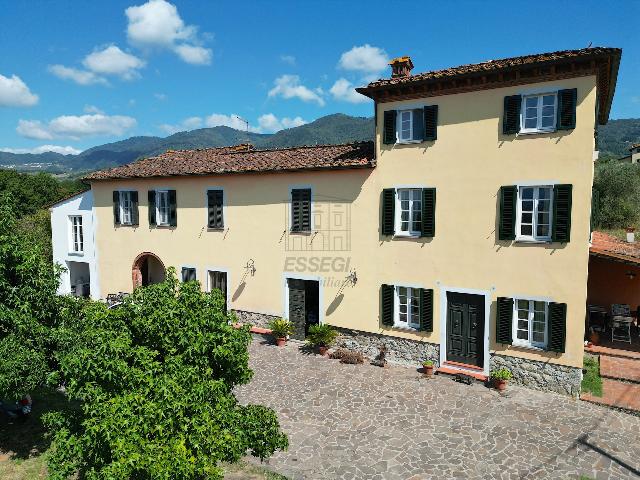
147	269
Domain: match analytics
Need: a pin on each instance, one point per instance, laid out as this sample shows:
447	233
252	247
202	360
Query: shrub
427	363
281	328
155	381
501	374
618	188
347	356
321	335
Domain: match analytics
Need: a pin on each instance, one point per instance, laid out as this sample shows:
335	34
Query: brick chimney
401	67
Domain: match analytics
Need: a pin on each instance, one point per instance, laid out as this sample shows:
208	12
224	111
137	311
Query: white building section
73	237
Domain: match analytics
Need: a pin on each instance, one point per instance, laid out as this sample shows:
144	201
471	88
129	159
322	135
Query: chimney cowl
401	67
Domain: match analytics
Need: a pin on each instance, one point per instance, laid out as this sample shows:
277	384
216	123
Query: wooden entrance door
465	328
303	305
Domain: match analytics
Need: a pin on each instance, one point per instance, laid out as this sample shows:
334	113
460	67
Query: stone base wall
256	319
540	375
399	350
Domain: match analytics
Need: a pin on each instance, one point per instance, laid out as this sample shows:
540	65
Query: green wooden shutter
215	209
135	218
561	213
557	327
595	207
173	208
152	207
428	212
116	207
386	293
306	210
185	274
430	122
511	117
504	320
389	128
508	211
567	100
388	211
426	310
300	210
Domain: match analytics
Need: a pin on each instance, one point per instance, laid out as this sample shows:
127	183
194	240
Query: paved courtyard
366	422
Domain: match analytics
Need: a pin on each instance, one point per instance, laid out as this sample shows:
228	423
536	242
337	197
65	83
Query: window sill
76	254
532	240
406	235
300	232
408	142
406	329
532	348
536	132
215	229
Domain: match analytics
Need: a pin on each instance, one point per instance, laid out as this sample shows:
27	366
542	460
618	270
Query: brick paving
617	394
365	422
620	368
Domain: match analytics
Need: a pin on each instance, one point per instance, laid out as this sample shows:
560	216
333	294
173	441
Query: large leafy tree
154	380
618	186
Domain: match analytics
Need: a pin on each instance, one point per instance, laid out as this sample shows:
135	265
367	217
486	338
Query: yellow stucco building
461	234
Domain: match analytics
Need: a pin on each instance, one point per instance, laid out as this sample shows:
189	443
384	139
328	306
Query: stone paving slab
365	422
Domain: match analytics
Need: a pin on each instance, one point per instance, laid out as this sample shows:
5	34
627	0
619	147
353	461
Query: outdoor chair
621	321
597	318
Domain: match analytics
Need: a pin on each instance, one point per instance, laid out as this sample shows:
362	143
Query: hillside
614	140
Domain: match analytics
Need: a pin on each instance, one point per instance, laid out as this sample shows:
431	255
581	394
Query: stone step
620	368
614	352
456	371
617	394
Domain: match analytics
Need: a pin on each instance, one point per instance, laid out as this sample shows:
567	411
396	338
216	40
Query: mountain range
614	140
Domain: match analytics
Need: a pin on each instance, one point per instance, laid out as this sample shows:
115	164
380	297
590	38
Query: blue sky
78	74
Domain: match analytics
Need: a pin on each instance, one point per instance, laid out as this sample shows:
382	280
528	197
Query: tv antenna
246	123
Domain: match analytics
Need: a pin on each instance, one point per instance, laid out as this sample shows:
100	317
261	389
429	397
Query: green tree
155	382
29	309
618	187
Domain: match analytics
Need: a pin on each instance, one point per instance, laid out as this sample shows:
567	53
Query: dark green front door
465	328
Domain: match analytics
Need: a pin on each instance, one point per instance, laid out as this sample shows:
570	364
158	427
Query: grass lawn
591	381
22	445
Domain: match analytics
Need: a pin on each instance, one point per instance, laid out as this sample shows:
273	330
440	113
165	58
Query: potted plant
427	367
281	329
500	377
322	337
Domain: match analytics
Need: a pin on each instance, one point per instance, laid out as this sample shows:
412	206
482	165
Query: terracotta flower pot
322	350
428	370
594	338
500	385
281	341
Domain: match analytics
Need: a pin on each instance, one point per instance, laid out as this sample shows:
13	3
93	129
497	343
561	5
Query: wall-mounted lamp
352	277
250	267
631	275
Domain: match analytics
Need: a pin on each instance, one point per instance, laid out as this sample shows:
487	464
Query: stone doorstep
456	371
619	368
617	394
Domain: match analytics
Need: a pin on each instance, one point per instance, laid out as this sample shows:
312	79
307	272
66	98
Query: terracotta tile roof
606	55
66	197
605	245
226	160
635	145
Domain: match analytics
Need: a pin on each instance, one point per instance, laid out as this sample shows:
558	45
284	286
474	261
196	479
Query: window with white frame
410	125
530	327
407	311
77	236
409	211
162	207
534	213
539	113
126	208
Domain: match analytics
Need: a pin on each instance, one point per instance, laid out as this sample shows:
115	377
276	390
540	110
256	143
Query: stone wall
399	350
256	319
540	375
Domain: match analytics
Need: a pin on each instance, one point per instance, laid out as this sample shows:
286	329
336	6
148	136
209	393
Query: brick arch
136	269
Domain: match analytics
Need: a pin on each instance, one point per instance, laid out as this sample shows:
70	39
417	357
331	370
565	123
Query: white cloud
193	54
157	24
81	77
233	121
161	96
289	59
91	109
366	59
76	126
15	93
270	123
112	61
67	150
190	123
344	90
288	86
